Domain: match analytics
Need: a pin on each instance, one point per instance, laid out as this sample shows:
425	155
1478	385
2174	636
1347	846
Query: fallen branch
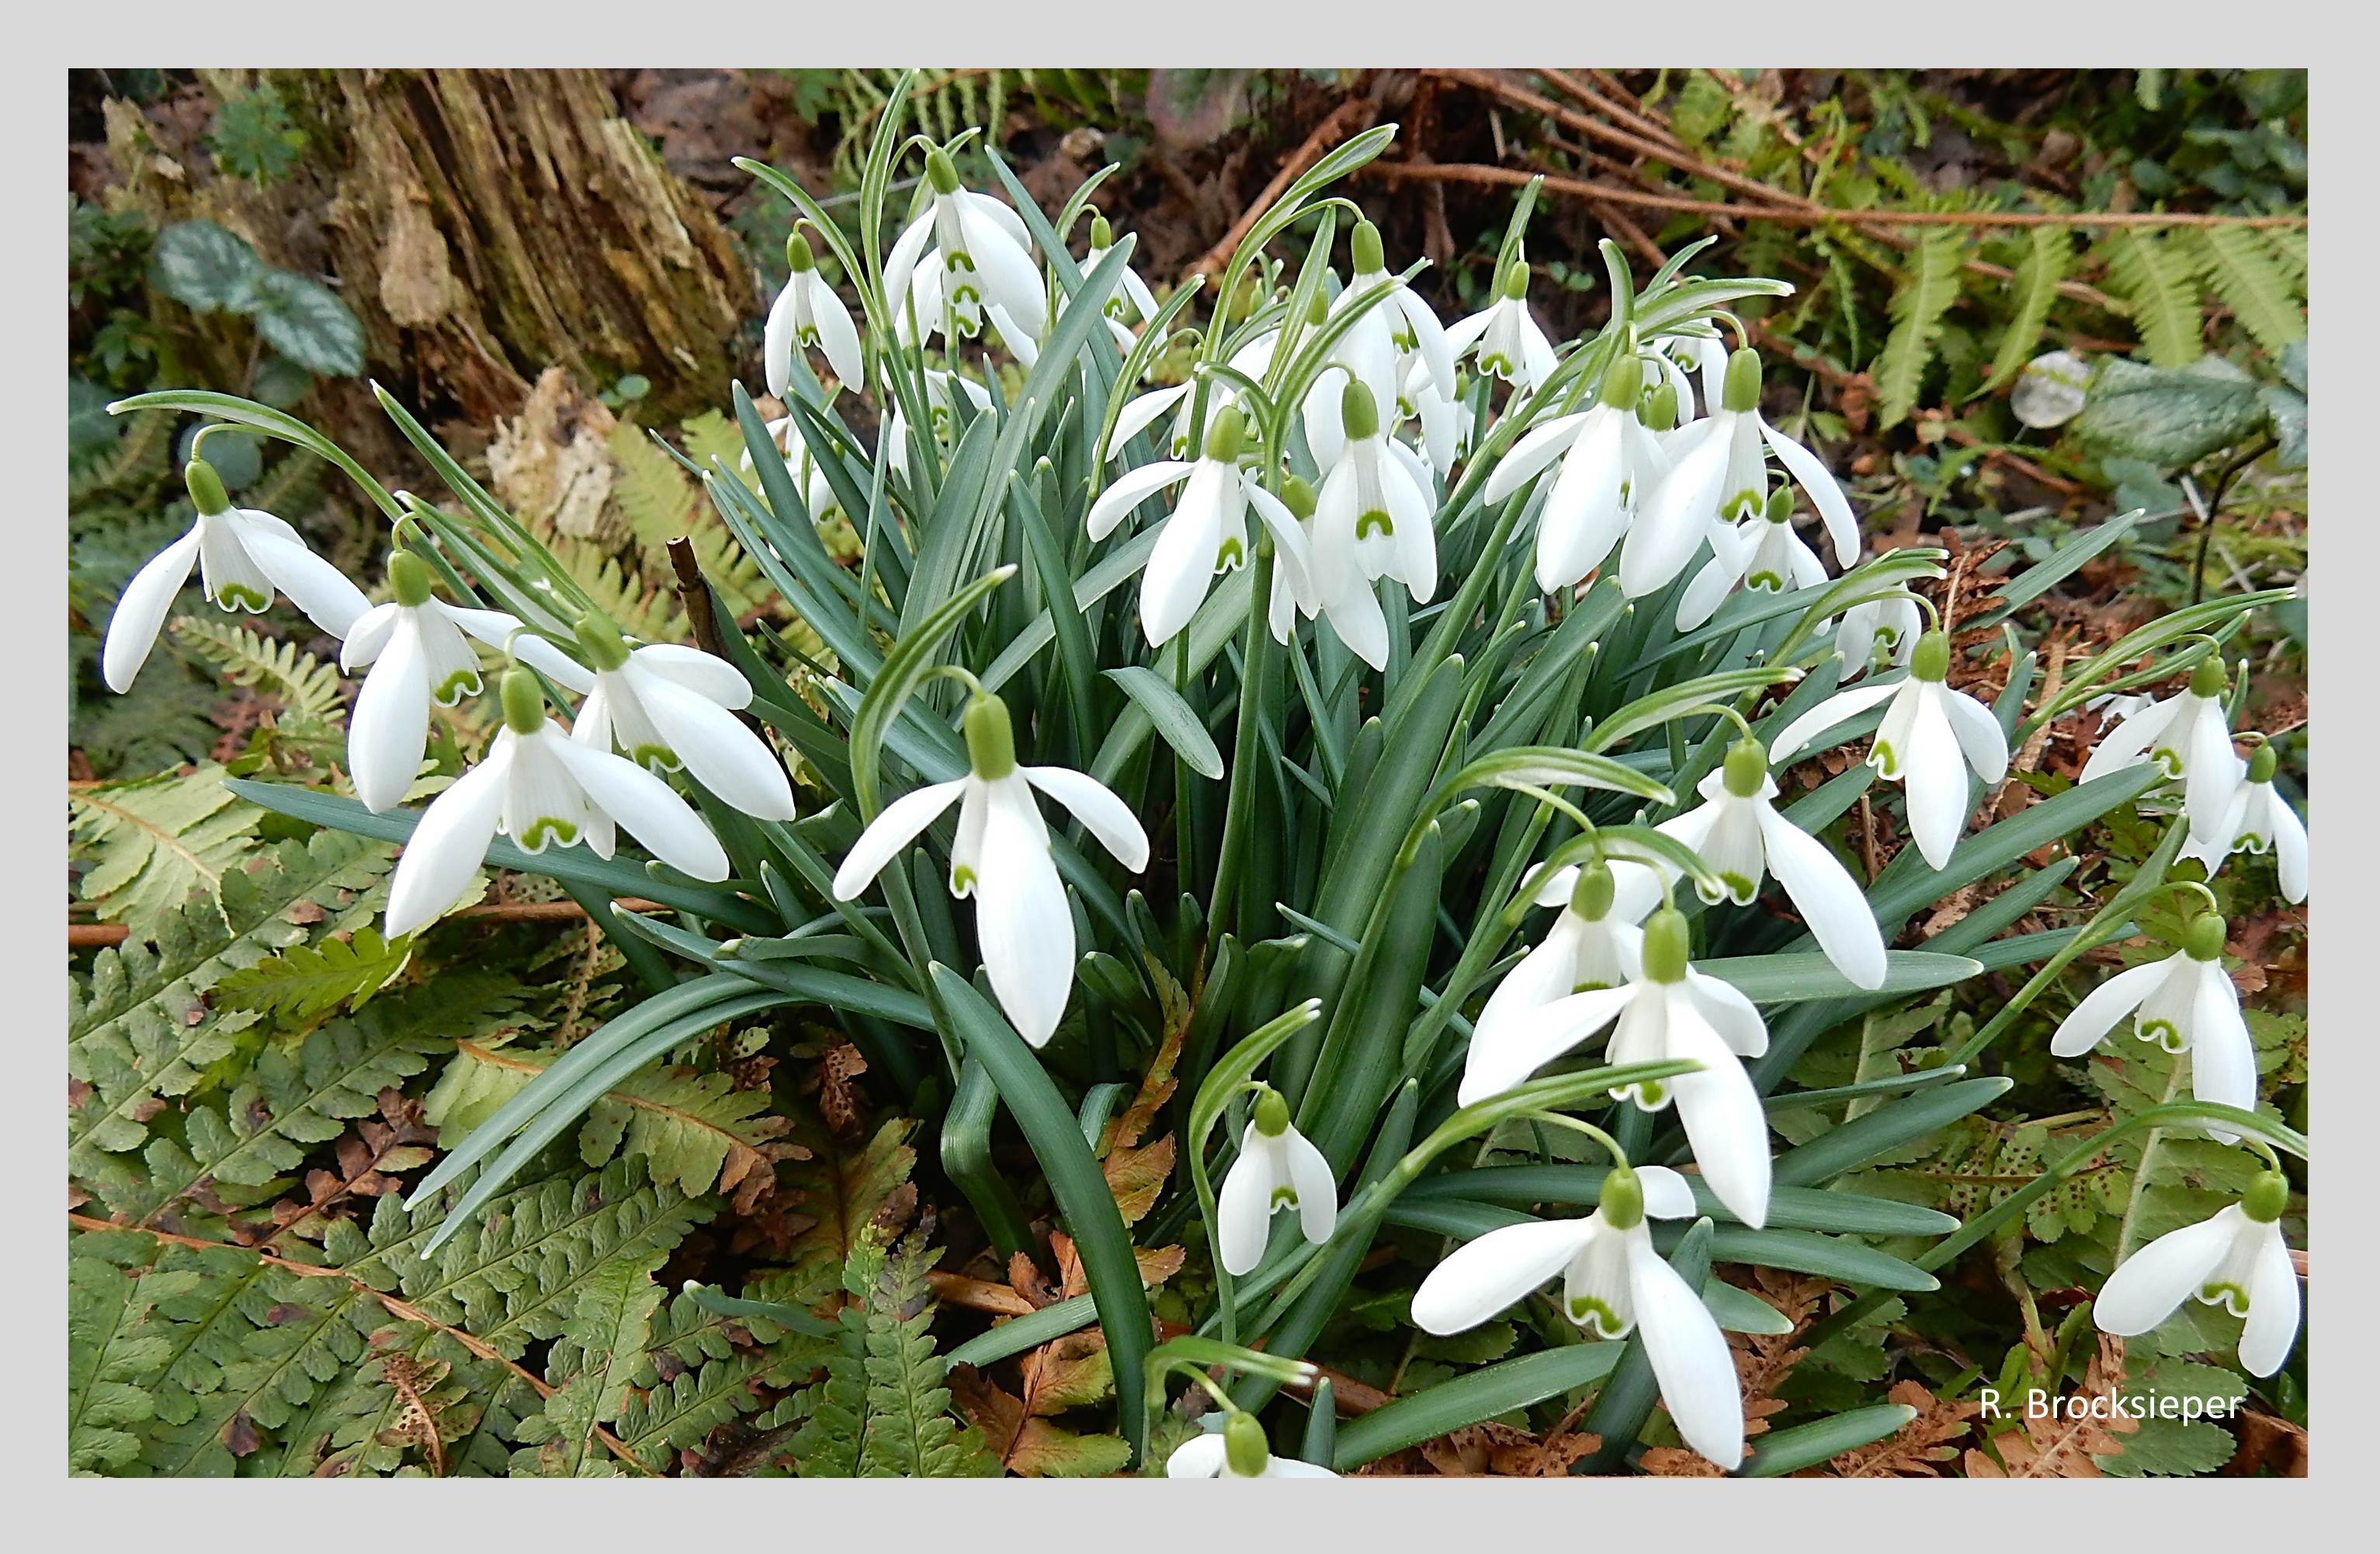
1347	118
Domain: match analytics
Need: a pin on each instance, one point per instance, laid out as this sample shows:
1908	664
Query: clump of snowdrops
1381	722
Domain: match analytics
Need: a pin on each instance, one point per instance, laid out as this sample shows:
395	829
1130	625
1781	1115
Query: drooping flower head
982	255
1509	341
808	314
2236	1259
1609	462
2258	819
2185	1002
2188	736
1278	1167
1237	1451
668	707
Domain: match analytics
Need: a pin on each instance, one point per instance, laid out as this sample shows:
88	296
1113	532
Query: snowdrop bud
1623	1199
1225	431
1930	660
2263	764
1660	411
1102	236
524	702
1365	246
1591	898
1623	383
2208	681
2267	1195
1516	279
1664	954
1243	1446
206	487
1780	505
1272	1113
1297	496
408	579
2202	941
798	256
1357	413
940	173
1747	767
991	741
600	640
1742	392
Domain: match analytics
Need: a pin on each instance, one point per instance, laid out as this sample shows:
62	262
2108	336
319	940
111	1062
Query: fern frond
661	505
306	687
2158	281
115	1350
152	842
2049	257
2240	269
592	1365
1928	286
911	1430
306	982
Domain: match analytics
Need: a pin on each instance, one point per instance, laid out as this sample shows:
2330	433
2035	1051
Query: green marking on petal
1591	1312
2168	757
962	879
660	758
1375	519
1766	582
2165	1033
545	828
1593	987
1284	1198
1496	362
455	686
1228	554
2225	1294
1651	1096
239	596
1738	888
1885	758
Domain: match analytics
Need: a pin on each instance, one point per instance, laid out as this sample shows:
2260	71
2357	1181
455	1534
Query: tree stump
488	223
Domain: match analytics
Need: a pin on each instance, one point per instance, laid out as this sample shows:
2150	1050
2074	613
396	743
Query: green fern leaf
591	1365
114	1351
306	982
2240	269
141	1028
661	505
911	1432
306	686
152	842
2158	282
1928	286
2048	256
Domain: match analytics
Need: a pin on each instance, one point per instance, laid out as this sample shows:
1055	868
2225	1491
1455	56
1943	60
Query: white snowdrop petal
369	636
1022	925
1492	1067
1830	900
321	590
449	843
1128	490
2147	1286
1839	708
1690	1360
717	749
1981	739
2106	1005
2275	1306
1825	492
647	808
896	826
1317	1187
1244	1206
140	611
1104	815
1935	783
389	726
1535	448
1483	1276
706	674
1667	1194
1722	1116
2222	1054
1199	1457
1728	1011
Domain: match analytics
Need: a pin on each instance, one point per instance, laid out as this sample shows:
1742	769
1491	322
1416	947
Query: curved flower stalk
1739	833
982	254
1930	738
1371	520
1504	337
1879	634
1667	1011
1613	1284
2258	819
1023	928
541	787
1765	555
667	707
1593	943
1719	468
2189	736
808	314
1237	1451
419	650
1609	462
1278	1167
1207	534
243	554
2236	1259
2185	1002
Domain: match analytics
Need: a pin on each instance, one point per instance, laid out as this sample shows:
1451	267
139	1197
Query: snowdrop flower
1131	299
818	491
1881	633
539	786
1613	1282
1208	533
1371	519
1252	361
1594	943
2236	1259
1509	341
940	409
1930	736
1001	858
2185	1004
1443	419
419	651
1667	1011
1739	833
1609	462
667	707
808	313
2258	819
1237	1451
1764	554
1278	1167
2189	736
1718	466
982	254
243	554
1364	354
1414	330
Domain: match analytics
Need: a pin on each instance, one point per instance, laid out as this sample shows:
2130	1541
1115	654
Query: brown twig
90	936
694	592
1348	118
398	1307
